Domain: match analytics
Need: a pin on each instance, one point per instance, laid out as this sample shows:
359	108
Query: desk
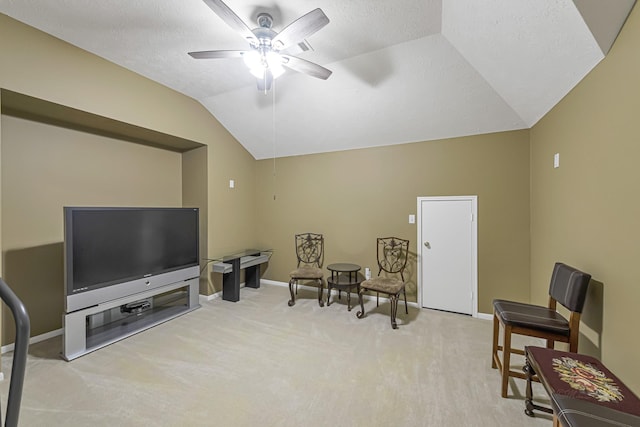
344	276
248	260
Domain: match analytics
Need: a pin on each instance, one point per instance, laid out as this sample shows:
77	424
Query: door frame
474	246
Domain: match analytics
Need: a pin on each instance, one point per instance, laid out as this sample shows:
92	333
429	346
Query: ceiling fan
268	50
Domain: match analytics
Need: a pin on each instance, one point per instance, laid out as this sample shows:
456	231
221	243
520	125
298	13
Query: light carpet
259	362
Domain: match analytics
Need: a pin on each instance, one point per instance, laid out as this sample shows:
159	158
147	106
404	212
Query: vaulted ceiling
403	71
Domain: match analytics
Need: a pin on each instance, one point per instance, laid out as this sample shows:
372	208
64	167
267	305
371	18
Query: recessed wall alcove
54	155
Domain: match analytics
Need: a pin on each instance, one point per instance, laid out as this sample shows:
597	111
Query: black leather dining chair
569	288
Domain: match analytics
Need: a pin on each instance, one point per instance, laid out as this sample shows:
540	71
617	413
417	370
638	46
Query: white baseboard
313	288
216	295
205	298
483	316
273	282
10	347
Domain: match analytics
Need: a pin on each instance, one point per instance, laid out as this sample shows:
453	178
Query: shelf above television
27	107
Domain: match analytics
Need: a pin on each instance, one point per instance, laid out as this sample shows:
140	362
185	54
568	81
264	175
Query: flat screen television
114	252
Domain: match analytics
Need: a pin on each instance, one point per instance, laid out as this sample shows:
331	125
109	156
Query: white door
447	251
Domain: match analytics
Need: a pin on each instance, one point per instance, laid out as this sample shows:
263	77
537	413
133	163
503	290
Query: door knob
427	245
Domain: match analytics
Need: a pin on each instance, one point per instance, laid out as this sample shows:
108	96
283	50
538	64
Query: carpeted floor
259	362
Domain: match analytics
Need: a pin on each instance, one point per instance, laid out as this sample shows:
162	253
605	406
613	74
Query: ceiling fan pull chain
273	110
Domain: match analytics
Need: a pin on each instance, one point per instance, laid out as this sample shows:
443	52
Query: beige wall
586	212
45	168
3	308
231	221
195	188
38	65
352	197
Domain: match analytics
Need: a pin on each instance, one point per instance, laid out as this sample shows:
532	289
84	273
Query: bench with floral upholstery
583	391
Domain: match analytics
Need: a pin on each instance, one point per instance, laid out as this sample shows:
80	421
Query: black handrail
19	364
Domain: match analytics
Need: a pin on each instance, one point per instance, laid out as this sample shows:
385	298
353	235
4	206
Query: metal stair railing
21	349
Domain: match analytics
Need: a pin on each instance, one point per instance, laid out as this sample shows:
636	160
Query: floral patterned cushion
583	377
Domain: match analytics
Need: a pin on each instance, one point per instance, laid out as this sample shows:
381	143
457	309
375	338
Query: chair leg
360	314
394	310
406	309
377	299
320	288
506	360
528	401
496	332
292	301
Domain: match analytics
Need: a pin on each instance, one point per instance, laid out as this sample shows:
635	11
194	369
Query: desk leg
231	282
252	276
329	282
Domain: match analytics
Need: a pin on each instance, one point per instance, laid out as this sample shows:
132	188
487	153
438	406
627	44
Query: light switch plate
412	219
556	160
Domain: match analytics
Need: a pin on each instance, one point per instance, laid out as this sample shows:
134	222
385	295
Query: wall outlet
556	160
232	184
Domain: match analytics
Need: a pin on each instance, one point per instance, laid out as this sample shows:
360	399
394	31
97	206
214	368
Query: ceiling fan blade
306	67
300	29
216	54
229	16
265	84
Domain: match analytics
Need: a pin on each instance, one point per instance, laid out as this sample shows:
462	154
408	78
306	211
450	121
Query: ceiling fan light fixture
259	63
252	59
258	72
274	62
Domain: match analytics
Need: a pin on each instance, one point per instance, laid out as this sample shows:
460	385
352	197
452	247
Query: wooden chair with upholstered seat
569	288
310	254
392	254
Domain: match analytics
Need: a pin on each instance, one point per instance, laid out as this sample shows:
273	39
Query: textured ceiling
403	71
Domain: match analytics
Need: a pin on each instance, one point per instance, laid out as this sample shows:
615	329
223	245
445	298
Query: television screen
106	246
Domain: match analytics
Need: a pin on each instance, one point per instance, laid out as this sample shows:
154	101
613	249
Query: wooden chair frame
569	287
504	365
